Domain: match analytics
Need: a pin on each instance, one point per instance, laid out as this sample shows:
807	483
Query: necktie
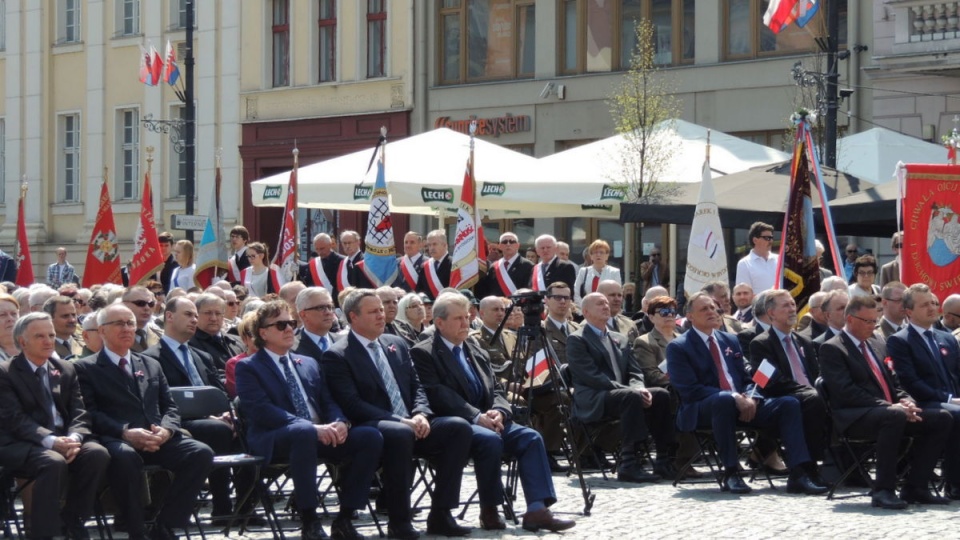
299	403
798	372
612	356
596	282
876	371
188	365
141	336
655	275
938	360
506	265
718	363
563	329
475	389
393	391
123	367
47	395
322	343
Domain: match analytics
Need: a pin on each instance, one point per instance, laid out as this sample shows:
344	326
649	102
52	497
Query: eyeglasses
282	325
865	272
231	304
868	321
851	251
897	246
652	255
509	241
559	297
767	238
122	324
414	306
79	302
667	312
144	303
323	308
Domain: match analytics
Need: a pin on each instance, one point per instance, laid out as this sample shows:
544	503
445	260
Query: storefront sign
507	123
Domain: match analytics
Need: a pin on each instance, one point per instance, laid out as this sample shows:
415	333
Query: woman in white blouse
595	270
182	276
260	278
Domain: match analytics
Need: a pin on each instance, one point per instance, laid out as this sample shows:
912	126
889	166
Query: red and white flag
764	373
156	65
466	248
147	259
285	257
24	263
103	253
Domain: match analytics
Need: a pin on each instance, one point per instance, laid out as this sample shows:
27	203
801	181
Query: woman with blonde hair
9	313
183	274
595	270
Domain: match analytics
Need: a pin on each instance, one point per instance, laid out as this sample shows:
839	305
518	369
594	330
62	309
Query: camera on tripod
531	304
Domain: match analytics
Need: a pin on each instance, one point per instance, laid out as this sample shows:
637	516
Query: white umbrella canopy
588	172
424	175
872	155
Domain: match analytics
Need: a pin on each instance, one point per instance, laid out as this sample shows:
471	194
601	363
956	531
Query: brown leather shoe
544	519
490	519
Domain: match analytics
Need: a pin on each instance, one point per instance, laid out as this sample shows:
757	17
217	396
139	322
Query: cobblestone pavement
653	511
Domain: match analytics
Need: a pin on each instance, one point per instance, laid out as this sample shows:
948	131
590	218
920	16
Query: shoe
342	529
403	531
952	492
913	495
636	475
313	531
556	467
544	519
886	498
665	469
802	483
162	532
441	523
734	484
73	528
490	519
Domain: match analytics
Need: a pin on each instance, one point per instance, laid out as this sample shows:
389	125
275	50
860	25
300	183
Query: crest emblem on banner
943	235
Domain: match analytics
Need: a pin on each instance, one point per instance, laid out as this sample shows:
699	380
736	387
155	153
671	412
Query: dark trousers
815	422
639	423
53	477
951	454
219	437
526	445
888	425
358	457
547	420
190	462
719	413
448	449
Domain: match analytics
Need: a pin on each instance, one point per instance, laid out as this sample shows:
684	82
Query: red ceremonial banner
931	228
24	263
147	259
103	255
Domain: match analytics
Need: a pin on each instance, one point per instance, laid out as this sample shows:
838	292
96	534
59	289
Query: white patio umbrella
872	155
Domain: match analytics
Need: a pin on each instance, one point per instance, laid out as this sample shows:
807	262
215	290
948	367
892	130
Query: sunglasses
144	303
282	325
509	241
79	302
558	297
231	304
767	238
667	312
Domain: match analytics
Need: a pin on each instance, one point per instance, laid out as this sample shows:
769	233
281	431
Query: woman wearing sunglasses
650	348
590	275
259	278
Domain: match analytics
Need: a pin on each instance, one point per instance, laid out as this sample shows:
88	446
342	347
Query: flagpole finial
23	188
105	174
383	131
473	128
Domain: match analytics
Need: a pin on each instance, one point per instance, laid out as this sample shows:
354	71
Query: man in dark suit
927	361
551	268
761	323
608	384
743	299
317	316
45	433
8	267
292	419
321	271
63	312
893	310
372	378
132	412
834	306
210	337
795	361
141	302
169	263
706	368
459	381
239	236
435	273
348	273
868	401
510	272
185	366
410	263
814	321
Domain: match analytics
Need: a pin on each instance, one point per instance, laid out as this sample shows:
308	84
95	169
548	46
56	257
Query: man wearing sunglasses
759	268
292	418
317	316
891	271
141	302
510	272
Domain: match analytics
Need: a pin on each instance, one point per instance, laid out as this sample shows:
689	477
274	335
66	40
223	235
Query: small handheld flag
764	373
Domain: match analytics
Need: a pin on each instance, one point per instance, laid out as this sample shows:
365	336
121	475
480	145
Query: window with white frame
178	14
128	17
376	38
327	49
69	163
128	153
68	21
3	160
178	160
280	30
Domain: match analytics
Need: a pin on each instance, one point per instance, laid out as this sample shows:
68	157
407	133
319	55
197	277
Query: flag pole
296	202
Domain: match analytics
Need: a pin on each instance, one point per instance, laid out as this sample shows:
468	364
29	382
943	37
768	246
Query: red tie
715	353
876	371
798	373
596	281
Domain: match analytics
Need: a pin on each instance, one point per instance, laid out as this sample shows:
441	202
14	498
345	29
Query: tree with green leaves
643	106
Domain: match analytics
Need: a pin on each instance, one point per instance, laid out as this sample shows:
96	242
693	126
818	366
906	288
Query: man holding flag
795	362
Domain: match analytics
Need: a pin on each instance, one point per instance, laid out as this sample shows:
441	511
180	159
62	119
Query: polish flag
764	373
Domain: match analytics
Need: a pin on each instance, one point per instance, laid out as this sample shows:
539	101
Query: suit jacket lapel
29	379
361	358
393	360
856	353
452	365
175	355
137	366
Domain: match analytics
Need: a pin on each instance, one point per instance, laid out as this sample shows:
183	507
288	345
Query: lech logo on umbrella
611	192
436	195
362	192
272	192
